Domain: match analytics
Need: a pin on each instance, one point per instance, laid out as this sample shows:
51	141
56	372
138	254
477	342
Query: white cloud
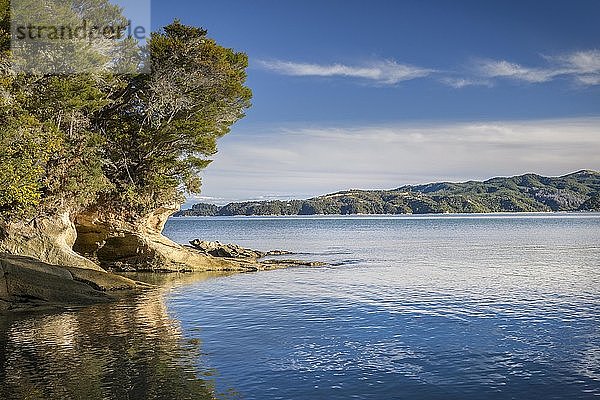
581	66
301	162
459	83
384	72
589	80
581	62
505	69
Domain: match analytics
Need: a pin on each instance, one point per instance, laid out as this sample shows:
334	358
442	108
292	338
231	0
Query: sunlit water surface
430	307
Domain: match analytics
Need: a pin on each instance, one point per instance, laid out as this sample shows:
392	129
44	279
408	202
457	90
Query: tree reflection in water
130	349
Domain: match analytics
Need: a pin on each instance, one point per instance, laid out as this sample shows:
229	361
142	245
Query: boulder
253	257
217	249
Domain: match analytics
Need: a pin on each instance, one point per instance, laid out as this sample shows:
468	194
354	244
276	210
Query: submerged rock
294	263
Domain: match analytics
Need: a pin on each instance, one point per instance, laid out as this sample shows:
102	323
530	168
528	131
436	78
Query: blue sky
377	94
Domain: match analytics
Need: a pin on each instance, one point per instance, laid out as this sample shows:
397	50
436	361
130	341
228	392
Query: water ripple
433	308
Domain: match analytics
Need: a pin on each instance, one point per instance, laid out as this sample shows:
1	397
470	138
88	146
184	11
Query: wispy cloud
505	69
589	80
459	83
581	62
386	72
582	67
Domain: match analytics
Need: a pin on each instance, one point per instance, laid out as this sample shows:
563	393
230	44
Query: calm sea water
419	307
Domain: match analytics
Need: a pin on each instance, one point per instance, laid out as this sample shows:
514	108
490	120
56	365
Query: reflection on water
128	350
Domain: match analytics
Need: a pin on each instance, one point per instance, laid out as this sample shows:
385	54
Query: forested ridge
579	191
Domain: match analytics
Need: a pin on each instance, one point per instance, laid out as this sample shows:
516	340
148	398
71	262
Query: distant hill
579	191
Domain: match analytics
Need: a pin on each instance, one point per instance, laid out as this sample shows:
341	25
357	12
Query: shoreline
391	216
28	284
577	191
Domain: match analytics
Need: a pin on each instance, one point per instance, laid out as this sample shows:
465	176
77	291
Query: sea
490	306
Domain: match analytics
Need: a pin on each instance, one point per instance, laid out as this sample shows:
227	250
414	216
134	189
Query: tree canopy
129	142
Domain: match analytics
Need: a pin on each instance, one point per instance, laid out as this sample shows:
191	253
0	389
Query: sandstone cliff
121	245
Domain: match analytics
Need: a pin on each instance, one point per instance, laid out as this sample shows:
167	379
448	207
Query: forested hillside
579	191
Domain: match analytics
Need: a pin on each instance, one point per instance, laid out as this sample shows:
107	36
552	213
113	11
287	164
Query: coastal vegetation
100	141
579	191
132	142
99	157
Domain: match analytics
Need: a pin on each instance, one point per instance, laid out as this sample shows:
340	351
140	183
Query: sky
377	94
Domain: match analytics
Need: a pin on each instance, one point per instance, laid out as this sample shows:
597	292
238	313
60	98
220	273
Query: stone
27	283
104	282
121	245
278	253
253	257
293	263
217	249
49	239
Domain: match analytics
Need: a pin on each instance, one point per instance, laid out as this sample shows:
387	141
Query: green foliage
162	127
74	54
48	151
25	148
132	142
49	156
527	193
4	25
592	204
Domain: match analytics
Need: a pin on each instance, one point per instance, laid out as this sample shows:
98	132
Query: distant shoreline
576	192
350	216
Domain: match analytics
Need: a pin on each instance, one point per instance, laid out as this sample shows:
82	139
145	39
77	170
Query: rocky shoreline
28	284
254	260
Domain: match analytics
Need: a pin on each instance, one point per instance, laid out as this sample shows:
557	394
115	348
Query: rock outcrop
63	260
120	245
27	283
217	249
48	239
253	259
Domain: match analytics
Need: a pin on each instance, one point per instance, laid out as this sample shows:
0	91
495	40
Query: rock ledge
27	283
254	259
